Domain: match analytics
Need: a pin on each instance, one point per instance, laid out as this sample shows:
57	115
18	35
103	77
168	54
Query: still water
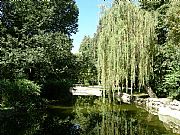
85	117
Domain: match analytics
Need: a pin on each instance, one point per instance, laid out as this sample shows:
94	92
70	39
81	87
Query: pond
85	117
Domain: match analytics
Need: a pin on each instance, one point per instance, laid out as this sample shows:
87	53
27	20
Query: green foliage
57	60
152	5
161	30
125	47
167	55
35	40
19	93
50	56
138	46
172	21
172	83
171	51
29	17
87	56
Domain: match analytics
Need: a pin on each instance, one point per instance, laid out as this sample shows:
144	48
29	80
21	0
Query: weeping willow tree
125	47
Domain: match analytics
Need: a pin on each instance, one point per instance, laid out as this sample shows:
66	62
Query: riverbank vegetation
137	47
35	50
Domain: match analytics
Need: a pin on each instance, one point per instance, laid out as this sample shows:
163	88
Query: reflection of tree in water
82	119
124	124
58	122
20	123
49	122
117	120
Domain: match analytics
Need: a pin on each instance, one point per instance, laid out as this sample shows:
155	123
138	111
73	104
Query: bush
19	93
172	84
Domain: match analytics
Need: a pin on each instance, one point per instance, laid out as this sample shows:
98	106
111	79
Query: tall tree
34	31
125	47
171	52
29	17
89	61
35	41
165	45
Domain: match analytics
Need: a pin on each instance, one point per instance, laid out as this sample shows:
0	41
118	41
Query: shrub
172	84
19	93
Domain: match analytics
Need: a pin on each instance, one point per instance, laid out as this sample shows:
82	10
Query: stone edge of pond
168	110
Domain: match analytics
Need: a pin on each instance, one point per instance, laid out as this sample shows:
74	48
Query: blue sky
89	13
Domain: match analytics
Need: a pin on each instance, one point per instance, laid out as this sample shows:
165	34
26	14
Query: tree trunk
150	92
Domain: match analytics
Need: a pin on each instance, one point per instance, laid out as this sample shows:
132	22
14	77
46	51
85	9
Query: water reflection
115	119
82	119
19	122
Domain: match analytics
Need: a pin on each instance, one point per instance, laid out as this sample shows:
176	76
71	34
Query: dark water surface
84	118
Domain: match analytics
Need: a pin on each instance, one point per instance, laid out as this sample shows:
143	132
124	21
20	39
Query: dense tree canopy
33	34
166	67
171	51
30	17
87	54
35	41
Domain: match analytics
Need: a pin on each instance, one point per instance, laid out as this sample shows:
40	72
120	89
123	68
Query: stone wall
168	110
